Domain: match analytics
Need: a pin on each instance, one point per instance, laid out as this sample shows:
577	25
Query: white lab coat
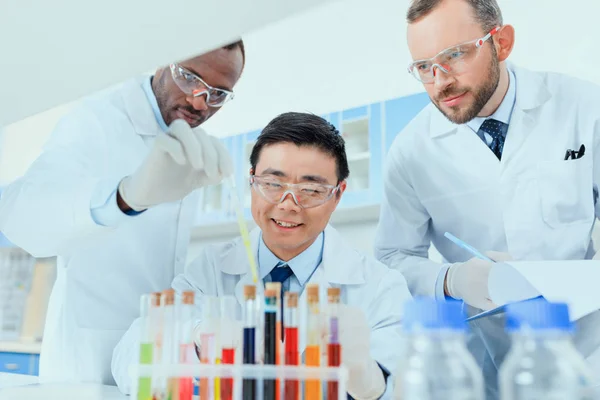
532	204
222	269
102	271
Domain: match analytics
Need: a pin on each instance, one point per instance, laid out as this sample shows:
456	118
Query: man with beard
113	197
498	159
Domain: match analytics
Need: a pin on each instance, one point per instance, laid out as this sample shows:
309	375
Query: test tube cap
333	294
291	299
312	292
156	299
271	292
249	292
276	286
168	297
188	297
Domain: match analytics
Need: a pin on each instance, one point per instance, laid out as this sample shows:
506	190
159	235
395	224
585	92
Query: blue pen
467	247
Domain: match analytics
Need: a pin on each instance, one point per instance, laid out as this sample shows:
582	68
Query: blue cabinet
19	363
399	112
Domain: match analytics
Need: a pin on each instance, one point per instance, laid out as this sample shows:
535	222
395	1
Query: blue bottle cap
538	314
425	313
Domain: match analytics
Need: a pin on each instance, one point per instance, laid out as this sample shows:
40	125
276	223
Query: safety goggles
305	195
453	60
192	85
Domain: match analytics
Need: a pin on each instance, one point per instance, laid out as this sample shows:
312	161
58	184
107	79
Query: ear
504	41
340	192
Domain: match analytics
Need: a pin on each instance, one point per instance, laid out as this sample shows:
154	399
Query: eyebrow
308	178
201	77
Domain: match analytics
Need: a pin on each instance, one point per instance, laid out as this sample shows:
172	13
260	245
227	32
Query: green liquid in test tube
146	345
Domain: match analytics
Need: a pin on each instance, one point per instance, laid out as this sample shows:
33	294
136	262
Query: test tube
229	341
146	343
156	321
292	386
207	350
186	342
312	353
271	339
250	318
169	385
276	286
334	351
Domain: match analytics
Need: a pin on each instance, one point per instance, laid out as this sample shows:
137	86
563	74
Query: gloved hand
468	281
365	377
179	162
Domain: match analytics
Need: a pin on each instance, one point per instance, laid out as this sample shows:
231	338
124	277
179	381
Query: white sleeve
47	211
402	238
125	355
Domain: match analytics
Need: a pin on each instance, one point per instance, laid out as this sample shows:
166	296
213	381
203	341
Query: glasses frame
208	88
289	190
478	44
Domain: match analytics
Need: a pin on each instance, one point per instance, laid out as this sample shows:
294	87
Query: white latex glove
365	378
468	281
179	162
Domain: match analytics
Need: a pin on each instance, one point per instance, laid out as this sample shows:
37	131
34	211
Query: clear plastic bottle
542	362
436	363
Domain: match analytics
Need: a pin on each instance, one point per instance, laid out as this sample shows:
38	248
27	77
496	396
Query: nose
441	78
198	101
288	203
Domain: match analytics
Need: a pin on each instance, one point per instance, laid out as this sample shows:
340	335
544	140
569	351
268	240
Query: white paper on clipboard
572	282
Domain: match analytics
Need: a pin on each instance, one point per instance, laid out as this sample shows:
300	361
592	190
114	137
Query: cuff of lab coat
105	211
439	284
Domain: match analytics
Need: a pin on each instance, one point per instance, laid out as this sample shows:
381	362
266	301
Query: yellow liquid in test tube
243	229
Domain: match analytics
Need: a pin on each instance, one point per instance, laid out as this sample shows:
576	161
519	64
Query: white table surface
27	387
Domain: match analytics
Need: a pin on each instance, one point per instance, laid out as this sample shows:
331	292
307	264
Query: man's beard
482	95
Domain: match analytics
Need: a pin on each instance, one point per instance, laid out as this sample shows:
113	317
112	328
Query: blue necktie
497	130
280	274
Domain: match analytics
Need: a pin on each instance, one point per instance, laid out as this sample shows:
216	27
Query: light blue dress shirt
303	265
104	211
502	114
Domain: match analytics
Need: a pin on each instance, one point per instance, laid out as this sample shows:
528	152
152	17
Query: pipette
467	247
243	228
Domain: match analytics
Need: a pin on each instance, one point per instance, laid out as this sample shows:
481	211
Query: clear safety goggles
305	195
192	85
453	60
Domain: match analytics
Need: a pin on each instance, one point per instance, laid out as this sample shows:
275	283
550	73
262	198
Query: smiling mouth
285	224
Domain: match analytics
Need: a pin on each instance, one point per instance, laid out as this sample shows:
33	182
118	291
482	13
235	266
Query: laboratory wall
346	54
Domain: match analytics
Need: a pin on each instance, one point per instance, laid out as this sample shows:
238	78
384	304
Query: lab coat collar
342	265
139	108
531	93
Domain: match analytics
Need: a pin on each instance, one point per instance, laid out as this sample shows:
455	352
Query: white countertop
10	380
26	387
20	347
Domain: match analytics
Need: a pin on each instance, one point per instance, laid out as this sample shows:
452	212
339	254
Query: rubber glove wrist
366	381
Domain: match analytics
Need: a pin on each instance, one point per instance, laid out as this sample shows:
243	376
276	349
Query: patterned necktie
280	274
497	130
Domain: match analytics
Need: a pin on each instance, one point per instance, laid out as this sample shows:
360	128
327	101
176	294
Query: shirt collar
504	112
147	86
303	265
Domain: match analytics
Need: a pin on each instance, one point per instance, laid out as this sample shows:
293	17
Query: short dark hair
304	129
234	45
487	12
